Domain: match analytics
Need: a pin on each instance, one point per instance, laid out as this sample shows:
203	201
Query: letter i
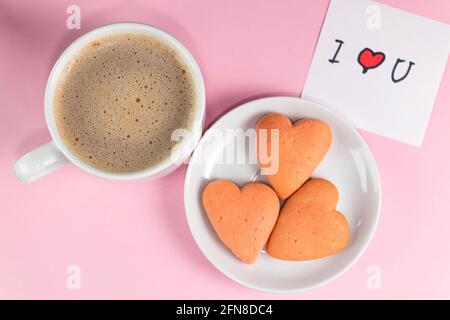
333	60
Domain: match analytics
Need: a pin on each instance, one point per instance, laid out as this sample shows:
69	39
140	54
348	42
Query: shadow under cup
47	158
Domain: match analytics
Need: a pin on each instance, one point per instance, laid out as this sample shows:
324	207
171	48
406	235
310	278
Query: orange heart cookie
301	148
309	227
242	218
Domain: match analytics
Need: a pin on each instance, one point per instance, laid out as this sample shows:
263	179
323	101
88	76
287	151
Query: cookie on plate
242	218
309	227
301	147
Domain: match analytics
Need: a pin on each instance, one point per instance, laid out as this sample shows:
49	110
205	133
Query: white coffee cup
47	158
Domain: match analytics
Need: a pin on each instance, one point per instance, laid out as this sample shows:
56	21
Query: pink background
131	239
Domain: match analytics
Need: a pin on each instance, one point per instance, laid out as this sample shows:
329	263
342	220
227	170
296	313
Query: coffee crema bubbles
120	98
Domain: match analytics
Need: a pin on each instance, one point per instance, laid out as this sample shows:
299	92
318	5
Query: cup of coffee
113	102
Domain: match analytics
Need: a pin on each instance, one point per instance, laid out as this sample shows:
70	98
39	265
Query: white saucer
349	164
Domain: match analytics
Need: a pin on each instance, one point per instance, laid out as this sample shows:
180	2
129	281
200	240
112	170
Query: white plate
349	164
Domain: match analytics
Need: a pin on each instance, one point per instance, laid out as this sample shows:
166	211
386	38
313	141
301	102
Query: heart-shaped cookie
301	147
242	218
309	227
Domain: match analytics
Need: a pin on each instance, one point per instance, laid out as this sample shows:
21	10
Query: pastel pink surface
131	239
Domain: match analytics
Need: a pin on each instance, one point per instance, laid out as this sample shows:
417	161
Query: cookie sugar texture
302	146
242	218
309	227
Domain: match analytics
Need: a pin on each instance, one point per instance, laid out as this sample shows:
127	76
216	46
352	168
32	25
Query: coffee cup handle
39	162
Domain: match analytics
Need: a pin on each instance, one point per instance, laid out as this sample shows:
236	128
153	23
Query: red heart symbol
369	59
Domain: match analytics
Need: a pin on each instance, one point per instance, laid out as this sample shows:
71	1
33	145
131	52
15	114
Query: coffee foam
119	100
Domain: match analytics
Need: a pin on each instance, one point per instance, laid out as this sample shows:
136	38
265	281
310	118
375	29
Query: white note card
380	67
